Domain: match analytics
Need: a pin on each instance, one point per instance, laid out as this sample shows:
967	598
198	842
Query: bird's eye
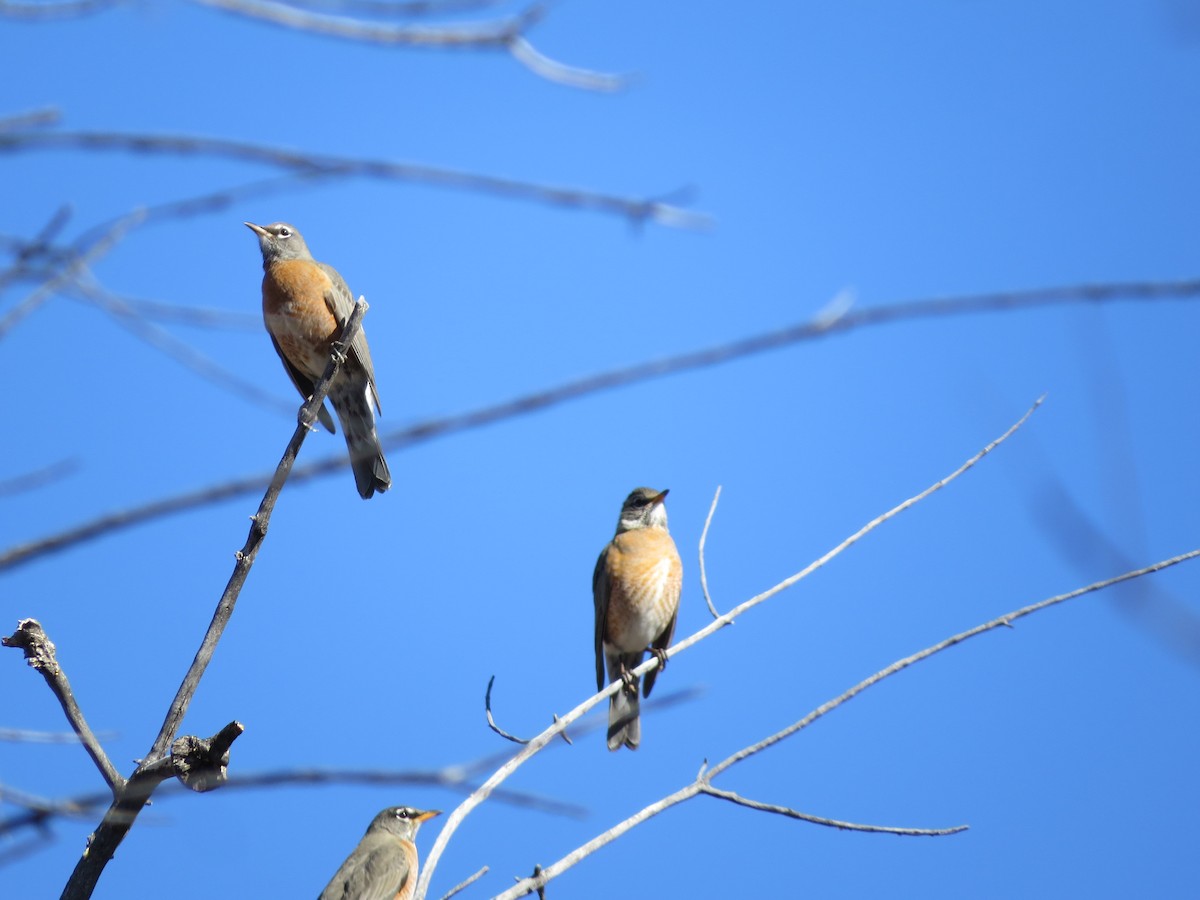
402	813
285	232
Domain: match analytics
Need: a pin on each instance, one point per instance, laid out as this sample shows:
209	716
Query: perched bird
305	305
635	587
384	864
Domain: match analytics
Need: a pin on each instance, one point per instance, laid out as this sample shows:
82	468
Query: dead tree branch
200	764
40	654
314	165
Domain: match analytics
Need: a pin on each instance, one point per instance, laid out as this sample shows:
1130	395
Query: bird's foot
628	681
661	655
337	350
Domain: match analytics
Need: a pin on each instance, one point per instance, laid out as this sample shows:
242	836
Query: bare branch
25	736
107	239
39	653
67	9
308	165
200	763
36	118
819	820
561	73
464	884
382	8
487	704
31	481
529	403
703	538
258	531
179	351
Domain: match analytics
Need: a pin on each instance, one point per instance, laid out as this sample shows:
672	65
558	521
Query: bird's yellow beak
257	229
428	814
660	498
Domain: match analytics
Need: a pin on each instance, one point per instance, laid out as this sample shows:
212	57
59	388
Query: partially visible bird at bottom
305	306
384	864
635	588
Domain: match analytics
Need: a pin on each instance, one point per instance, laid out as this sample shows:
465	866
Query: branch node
39	649
202	764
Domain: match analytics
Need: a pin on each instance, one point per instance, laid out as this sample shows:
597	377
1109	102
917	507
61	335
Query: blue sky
891	152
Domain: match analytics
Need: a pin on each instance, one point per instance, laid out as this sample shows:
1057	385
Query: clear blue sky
896	151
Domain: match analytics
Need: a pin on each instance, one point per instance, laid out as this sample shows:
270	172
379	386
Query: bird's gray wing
600	585
341	303
376	870
304	385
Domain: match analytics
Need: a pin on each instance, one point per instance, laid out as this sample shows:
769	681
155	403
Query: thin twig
706	788
158	765
487	704
40	654
31	481
312	165
105	241
67	9
703	538
535	745
464	884
26	736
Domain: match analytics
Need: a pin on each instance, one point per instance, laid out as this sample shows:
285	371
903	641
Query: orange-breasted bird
305	306
635	588
384	864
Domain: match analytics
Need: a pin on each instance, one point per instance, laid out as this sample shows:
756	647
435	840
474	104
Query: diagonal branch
706	788
201	764
703	540
40	654
571	390
310	165
535	745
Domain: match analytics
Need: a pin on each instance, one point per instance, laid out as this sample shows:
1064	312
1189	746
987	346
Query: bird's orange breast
645	576
296	314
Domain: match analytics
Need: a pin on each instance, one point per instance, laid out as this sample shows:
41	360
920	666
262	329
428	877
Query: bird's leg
337	350
311	426
627	680
661	655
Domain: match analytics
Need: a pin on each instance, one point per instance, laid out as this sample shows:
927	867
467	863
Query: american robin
636	588
305	305
384	864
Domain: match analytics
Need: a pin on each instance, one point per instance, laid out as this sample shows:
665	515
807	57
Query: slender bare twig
35	118
40	654
487	705
529	403
258	532
312	165
208	768
108	239
27	736
702	783
31	481
572	76
703	539
502	33
536	744
179	351
706	788
66	9
382	8
464	884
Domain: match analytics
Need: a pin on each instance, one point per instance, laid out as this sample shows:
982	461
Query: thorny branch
529	403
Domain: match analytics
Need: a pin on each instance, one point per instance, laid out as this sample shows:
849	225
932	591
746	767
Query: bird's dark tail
358	422
624	723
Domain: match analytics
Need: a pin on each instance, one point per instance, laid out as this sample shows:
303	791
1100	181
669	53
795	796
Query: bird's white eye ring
285	232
